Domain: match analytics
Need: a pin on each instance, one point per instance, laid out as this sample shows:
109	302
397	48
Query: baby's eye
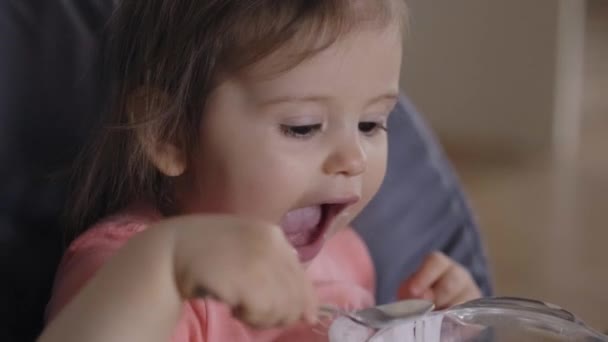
301	131
370	127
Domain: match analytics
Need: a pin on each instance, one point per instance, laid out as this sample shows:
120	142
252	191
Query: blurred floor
545	224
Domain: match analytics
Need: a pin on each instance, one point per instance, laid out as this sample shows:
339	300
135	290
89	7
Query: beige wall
484	71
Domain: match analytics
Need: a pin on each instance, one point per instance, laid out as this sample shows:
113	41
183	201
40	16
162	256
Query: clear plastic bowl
488	319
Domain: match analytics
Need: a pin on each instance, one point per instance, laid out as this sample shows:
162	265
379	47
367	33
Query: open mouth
305	228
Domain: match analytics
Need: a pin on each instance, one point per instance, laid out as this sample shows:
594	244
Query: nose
348	158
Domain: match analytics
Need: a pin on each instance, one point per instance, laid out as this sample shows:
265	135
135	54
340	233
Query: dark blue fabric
51	94
420	208
49	97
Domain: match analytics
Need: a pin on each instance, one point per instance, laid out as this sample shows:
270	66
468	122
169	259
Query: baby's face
304	149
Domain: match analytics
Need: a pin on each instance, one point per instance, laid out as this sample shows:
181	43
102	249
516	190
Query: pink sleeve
77	267
87	255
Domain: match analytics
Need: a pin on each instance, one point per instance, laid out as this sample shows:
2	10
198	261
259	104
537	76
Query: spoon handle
331	311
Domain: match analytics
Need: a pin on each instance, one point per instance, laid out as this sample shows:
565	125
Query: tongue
300	225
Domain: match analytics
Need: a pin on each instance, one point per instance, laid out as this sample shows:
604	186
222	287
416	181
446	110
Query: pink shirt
342	274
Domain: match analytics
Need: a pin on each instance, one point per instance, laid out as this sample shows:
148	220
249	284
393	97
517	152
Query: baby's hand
248	265
441	280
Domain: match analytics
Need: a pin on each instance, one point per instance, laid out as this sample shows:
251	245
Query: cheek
271	183
254	181
375	171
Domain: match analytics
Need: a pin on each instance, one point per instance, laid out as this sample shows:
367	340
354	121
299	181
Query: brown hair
175	50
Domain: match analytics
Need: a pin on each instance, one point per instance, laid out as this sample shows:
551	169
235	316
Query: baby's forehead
358	68
296	62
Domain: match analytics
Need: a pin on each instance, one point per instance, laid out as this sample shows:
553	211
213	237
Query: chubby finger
311	311
455	287
286	301
431	270
449	287
303	300
429	294
256	312
468	294
304	297
405	293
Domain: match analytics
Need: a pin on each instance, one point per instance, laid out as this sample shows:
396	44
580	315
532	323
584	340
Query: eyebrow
389	96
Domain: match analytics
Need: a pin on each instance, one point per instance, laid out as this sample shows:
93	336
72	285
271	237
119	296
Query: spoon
384	316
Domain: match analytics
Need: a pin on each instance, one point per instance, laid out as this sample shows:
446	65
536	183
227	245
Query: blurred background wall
517	90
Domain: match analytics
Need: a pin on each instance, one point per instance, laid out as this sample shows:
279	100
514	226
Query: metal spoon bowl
384	316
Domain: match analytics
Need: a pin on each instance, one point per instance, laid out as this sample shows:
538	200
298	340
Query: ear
168	159
167	156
